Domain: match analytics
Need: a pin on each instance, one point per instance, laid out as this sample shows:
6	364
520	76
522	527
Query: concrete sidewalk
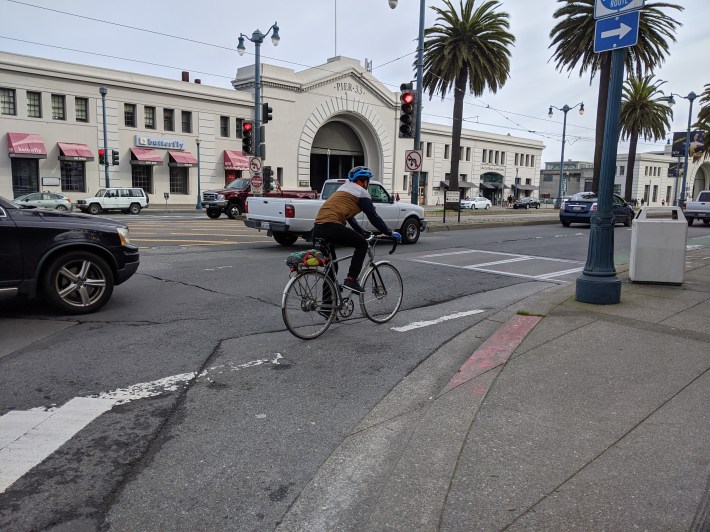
591	417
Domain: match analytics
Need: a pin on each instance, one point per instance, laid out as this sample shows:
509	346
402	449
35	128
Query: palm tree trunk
459	94
630	163
604	77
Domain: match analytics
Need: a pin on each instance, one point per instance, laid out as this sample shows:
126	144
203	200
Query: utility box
658	236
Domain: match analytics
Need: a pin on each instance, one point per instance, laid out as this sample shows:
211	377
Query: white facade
337	113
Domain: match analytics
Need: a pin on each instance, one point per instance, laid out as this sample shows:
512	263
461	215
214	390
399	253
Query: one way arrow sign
617	32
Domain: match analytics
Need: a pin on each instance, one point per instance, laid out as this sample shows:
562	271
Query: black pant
339	235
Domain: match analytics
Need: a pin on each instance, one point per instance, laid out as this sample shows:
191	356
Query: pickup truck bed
288	219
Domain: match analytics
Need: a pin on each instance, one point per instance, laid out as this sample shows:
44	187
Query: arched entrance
336	149
701	181
492	187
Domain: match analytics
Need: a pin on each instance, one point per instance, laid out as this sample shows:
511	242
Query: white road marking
420	324
28	437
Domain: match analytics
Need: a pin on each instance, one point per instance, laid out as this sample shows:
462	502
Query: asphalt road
238	414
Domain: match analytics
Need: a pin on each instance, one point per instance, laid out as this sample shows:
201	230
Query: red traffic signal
102	157
406	115
407	97
247	126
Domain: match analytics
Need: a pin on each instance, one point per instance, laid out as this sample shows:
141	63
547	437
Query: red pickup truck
232	199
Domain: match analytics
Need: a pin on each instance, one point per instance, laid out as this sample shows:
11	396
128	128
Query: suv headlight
220	197
123	235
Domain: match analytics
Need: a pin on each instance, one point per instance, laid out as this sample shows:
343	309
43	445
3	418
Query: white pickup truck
286	219
700	208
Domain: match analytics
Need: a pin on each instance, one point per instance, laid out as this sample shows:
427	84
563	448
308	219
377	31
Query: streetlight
103	91
420	75
257	38
327	171
565	109
199	197
671	102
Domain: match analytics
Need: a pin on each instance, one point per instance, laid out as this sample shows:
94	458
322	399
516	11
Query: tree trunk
604	76
630	163
455	154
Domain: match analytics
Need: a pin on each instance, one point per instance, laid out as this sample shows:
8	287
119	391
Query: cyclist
349	200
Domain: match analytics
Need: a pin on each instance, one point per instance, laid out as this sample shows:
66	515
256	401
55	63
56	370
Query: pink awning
29	145
235	160
146	156
74	152
181	158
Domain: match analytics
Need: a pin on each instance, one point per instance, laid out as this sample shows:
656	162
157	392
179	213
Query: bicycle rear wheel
383	293
308	304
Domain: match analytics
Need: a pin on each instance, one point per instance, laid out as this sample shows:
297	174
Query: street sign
254	165
617	32
452	197
413	160
609	8
257	181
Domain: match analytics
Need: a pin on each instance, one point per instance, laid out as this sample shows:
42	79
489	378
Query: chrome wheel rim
80	283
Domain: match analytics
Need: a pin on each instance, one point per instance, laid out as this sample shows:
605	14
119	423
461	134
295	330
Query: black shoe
352	284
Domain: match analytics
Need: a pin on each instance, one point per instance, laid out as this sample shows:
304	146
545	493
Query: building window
25	176
179	177
502	157
516	159
142	177
7	102
73	176
617	189
496	156
532	160
224	126
129	114
186	122
446	151
34	104
405	183
82	109
428	149
468	154
547	177
168	119
58	107
621	170
645	170
149	114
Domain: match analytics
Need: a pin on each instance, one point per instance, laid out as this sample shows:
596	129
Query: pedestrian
663	202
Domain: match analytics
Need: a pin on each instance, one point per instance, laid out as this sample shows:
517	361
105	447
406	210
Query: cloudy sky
164	38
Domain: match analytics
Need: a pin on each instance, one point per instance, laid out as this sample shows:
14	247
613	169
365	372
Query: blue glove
397	236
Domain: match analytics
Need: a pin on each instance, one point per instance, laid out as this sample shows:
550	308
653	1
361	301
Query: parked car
124	199
581	206
700	208
47	200
526	203
476	203
72	260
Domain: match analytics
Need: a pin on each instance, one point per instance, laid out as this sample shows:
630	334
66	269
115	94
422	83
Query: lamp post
103	91
420	76
257	38
671	101
199	196
565	109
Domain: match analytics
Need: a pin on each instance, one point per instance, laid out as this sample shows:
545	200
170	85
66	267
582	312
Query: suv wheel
233	210
94	208
566	223
78	282
213	213
135	208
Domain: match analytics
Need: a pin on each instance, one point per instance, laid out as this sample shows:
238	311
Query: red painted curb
496	350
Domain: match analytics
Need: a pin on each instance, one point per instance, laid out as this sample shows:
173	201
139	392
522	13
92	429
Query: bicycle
313	298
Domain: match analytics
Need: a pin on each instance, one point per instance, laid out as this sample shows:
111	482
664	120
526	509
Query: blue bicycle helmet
360	172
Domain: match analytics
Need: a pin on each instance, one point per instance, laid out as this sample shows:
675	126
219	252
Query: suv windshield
239	184
100	193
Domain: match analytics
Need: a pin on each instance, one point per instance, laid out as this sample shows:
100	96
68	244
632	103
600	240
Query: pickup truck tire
135	208
78	282
690	220
94	208
214	213
233	210
285	239
410	231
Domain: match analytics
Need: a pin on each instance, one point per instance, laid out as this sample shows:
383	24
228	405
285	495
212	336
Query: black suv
73	260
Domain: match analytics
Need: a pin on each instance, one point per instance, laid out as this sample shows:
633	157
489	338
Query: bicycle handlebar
377	238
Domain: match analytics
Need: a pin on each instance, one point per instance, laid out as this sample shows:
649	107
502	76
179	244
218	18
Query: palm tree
464	50
644	111
573	39
703	122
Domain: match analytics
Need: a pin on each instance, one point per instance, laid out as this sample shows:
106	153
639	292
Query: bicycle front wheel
383	293
308	304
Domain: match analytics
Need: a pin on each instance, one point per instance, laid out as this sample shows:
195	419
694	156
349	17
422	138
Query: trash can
658	236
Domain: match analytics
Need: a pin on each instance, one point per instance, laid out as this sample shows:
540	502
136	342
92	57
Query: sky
163	39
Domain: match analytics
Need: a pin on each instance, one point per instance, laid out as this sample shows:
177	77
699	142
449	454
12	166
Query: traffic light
102	157
247	137
266	111
114	157
268	175
239	127
407	111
